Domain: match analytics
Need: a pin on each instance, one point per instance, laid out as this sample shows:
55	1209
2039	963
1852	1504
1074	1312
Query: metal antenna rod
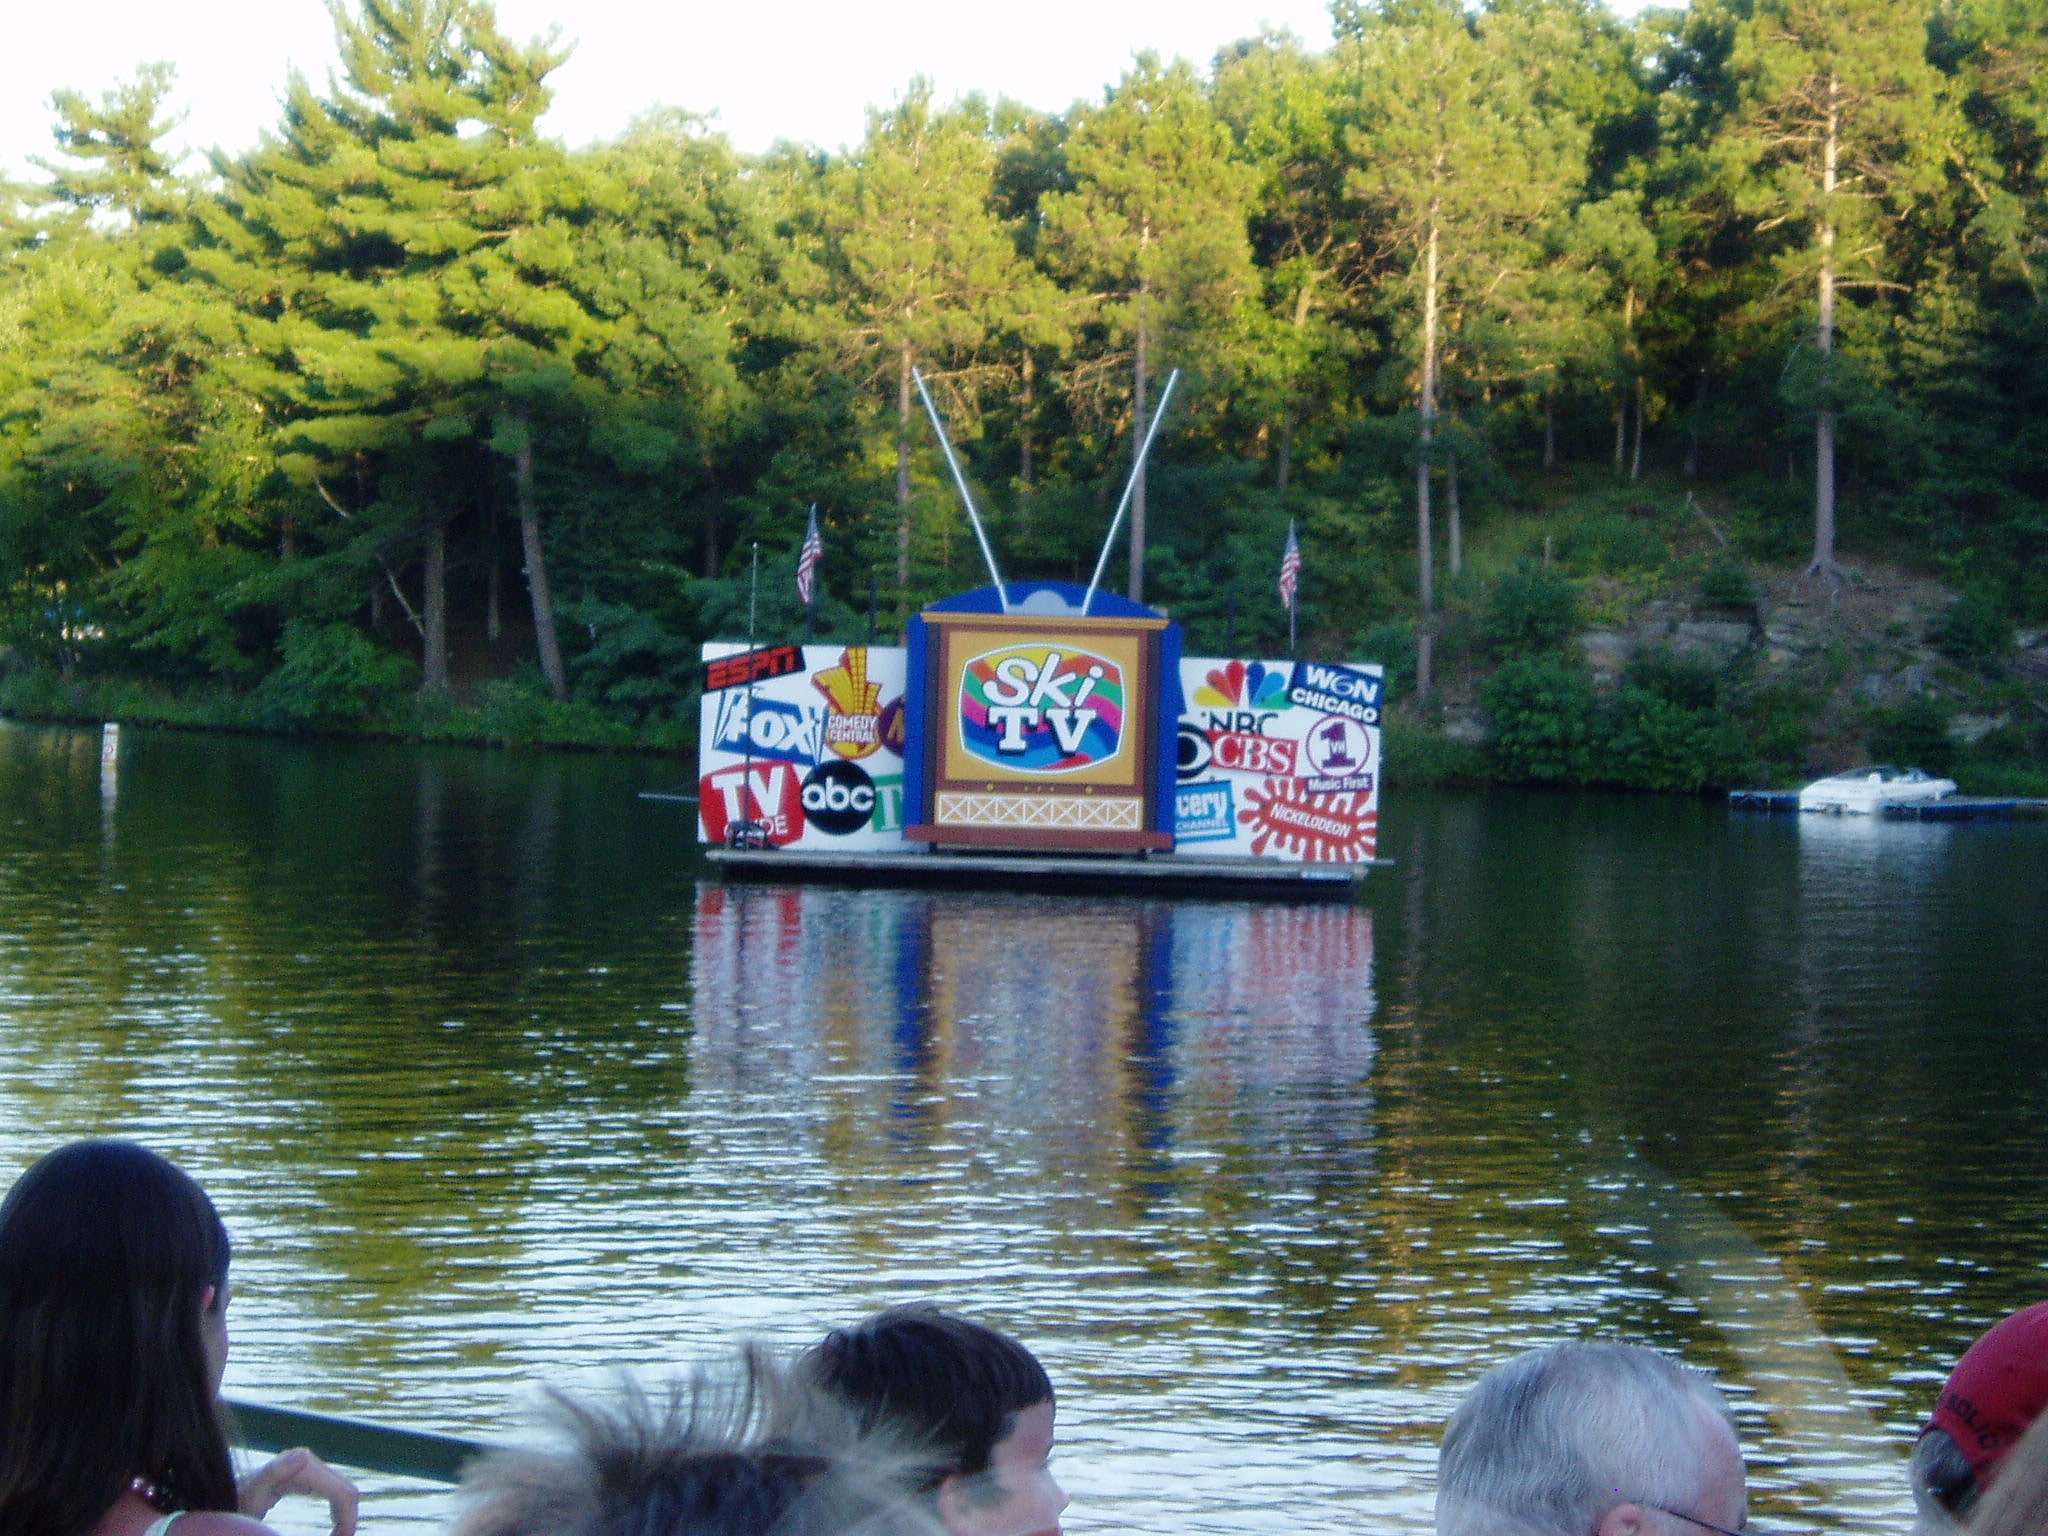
966	496
1130	485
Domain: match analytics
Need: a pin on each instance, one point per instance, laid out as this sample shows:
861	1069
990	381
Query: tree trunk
1136	588
1699	410
1284	449
710	545
1550	426
494	608
1454	515
1635	457
1425	578
536	560
1628	347
1024	426
903	472
1824	428
434	611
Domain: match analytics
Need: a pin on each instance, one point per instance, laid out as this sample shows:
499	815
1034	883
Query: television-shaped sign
1042	730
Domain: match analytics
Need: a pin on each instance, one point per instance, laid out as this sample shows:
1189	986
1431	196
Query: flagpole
741	835
811	602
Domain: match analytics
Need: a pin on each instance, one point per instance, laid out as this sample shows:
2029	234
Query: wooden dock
1179	875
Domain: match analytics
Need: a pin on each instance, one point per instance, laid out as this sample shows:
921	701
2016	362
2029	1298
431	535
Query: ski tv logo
1334	690
1036	707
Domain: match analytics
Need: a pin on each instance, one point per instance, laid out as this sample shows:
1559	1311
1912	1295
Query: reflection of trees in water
364	992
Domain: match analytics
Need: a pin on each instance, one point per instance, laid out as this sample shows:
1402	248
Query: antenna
966	496
1130	485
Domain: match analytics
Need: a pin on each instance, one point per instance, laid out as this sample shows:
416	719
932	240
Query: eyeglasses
1708	1525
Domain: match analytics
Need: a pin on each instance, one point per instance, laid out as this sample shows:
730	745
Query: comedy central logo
1038	708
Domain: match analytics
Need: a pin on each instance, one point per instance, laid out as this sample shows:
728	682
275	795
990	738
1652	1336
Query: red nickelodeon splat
1319	829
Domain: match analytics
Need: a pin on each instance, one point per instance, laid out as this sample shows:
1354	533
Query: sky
801	69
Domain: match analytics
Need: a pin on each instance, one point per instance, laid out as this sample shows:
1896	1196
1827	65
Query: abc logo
838	798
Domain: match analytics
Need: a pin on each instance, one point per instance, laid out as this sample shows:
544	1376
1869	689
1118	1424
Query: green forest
1545	328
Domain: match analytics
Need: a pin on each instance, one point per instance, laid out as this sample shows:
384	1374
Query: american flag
1290	569
807	560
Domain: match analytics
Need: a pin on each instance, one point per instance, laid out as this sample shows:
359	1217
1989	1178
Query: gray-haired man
1590	1440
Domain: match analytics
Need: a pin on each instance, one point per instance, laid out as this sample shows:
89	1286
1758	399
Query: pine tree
399	252
1156	230
1840	129
1464	184
930	267
115	160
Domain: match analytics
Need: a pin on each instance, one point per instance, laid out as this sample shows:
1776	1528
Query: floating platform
1778	802
1775	802
1181	875
1966	808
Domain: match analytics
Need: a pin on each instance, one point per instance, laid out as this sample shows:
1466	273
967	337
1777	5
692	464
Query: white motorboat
1867	791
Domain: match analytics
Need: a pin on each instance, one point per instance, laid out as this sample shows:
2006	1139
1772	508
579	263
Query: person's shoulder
215	1523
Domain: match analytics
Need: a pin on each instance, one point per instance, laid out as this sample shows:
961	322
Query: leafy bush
1664	728
1610	543
1543	716
329	674
1915	735
1779	725
1531	609
1646	740
1392	645
1726	584
1415	757
633	661
1974	627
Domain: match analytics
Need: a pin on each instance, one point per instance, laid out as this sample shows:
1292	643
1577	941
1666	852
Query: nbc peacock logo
1039	708
1238	686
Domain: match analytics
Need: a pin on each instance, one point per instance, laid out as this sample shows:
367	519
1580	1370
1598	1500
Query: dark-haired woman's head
113	1289
975	1401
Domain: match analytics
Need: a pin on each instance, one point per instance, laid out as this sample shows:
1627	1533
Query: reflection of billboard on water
1075	1019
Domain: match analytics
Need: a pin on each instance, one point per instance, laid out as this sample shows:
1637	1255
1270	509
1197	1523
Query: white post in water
110	758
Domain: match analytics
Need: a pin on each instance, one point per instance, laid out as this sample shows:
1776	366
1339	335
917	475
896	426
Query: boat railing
431	1457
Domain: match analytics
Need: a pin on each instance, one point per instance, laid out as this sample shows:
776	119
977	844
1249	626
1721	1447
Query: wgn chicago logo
768	728
1037	708
1336	690
838	798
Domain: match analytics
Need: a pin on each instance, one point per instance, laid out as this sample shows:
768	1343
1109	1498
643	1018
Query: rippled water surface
495	1088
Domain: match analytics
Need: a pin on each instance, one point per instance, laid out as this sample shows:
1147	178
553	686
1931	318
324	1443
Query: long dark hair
106	1252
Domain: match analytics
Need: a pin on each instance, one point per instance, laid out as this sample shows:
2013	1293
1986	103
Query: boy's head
975	1402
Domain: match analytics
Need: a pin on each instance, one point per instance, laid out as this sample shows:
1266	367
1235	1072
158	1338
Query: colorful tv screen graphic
1279	760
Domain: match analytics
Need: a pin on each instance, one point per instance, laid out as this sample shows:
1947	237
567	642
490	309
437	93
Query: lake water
495	1088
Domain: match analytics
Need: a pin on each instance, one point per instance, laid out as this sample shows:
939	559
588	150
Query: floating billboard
1278	760
806	741
1040	730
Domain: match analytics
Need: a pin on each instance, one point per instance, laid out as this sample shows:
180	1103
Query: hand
300	1471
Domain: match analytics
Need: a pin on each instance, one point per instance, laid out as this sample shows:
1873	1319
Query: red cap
1996	1389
